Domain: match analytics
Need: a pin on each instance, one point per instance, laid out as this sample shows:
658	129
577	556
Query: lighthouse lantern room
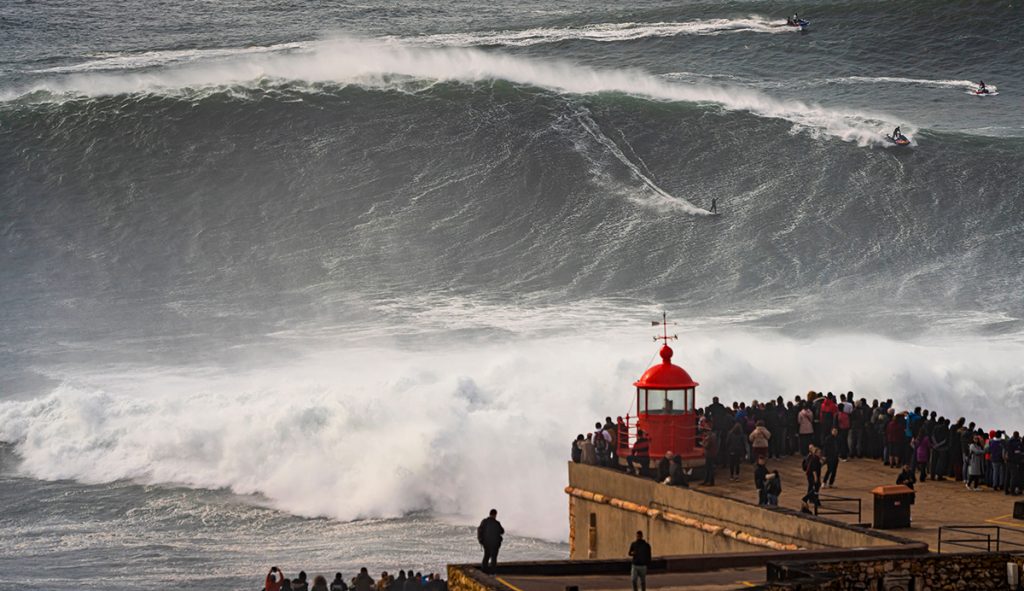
666	409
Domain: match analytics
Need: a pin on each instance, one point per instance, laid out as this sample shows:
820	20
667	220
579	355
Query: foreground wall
967	572
607	507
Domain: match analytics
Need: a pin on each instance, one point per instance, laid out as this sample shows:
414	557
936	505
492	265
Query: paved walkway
937	503
709	581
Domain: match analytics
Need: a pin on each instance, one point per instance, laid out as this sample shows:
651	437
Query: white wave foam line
916	81
458	429
377	64
149	59
660	196
608	32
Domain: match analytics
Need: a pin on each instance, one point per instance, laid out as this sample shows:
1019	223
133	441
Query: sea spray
456	429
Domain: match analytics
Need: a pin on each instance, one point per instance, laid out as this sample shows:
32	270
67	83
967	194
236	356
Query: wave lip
606	32
391	65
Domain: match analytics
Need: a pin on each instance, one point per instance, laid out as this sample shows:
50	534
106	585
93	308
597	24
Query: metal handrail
836	510
994	534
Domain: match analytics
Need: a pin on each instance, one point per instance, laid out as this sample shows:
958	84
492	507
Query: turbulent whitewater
320	286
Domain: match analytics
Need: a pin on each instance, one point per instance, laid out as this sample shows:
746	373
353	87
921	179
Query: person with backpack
338	584
602	444
812	469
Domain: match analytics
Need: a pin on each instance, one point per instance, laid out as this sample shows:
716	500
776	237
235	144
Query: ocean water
317	285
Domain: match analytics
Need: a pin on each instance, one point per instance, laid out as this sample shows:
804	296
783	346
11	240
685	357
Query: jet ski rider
896	133
982	89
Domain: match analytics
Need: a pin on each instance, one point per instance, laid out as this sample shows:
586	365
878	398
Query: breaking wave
441	430
400	66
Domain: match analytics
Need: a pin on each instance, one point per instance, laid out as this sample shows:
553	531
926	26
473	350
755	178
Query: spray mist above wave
389	65
608	32
456	429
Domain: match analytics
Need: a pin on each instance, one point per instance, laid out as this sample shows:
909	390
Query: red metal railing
676	433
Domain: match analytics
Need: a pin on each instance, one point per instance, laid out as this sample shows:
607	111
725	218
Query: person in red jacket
828	417
274	578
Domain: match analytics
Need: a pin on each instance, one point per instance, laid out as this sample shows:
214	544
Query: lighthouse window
676	402
656	401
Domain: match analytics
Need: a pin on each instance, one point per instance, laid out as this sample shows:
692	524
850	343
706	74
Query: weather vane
664	329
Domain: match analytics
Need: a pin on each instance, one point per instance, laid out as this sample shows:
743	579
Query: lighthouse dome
665	375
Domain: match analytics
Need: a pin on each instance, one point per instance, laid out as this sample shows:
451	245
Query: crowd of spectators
411	581
825	430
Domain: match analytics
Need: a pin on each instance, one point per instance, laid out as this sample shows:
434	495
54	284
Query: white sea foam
457	429
149	59
391	65
609	32
905	81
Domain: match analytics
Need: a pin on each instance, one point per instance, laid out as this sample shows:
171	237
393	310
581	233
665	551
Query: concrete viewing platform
713	538
937	502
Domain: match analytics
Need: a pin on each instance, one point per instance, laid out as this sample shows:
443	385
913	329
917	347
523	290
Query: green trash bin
892	506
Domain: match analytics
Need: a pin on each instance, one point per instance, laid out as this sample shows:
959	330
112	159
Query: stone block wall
934	572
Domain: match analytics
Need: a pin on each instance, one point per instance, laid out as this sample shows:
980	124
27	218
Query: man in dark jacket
812	468
940	449
831	449
363	582
1012	455
640	552
710	455
760	472
489	535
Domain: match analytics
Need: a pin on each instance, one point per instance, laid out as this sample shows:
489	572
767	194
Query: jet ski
987	91
802	23
900	140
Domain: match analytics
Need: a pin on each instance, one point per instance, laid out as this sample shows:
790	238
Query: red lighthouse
666	409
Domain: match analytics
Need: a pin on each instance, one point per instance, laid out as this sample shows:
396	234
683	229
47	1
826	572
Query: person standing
274	578
923	452
710	455
489	535
363	581
588	453
831	449
577	449
735	447
805	420
812	468
759	439
640	552
975	463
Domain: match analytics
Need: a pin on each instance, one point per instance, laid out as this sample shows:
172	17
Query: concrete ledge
469	577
